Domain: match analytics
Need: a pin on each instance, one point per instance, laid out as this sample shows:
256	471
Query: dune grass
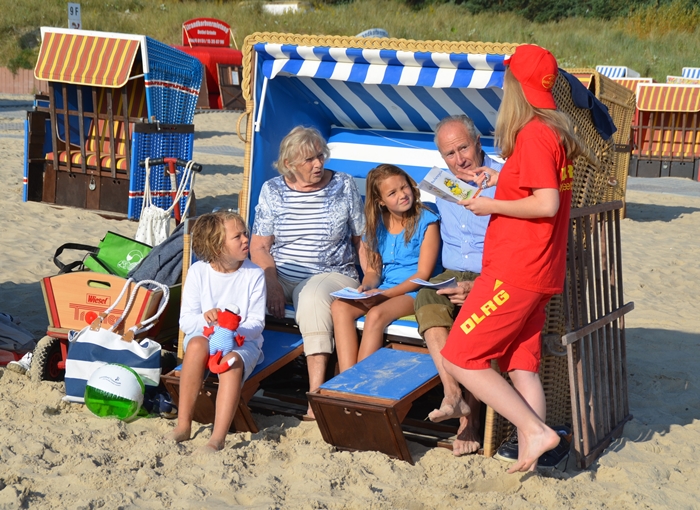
656	41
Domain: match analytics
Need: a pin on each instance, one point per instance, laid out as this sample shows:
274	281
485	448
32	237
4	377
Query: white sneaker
21	366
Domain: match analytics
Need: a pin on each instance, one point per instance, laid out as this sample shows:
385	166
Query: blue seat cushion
277	344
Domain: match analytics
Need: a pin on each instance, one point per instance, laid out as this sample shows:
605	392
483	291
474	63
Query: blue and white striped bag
93	346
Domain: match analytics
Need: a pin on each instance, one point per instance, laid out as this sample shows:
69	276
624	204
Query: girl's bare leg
378	318
534	436
191	377
529	386
227	398
345	313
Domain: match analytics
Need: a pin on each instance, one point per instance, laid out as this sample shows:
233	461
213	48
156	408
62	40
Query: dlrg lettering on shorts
486	309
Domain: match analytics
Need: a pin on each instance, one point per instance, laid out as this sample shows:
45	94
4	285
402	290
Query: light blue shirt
400	259
463	232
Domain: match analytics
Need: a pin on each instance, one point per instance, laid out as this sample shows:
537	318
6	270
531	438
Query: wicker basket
621	103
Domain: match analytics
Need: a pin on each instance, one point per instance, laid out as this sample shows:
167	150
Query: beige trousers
312	303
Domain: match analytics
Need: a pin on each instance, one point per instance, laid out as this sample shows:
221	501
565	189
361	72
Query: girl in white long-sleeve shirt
223	276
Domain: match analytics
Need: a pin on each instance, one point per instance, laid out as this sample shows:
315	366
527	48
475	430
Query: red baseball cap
536	70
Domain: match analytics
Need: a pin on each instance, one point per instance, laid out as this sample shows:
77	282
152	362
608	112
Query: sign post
74	16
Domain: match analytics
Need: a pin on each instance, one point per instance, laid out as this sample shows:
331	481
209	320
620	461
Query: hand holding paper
445	185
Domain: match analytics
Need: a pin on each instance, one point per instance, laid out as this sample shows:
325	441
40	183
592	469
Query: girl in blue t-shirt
401	242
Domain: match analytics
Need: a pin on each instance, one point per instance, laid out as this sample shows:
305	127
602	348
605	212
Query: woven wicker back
621	103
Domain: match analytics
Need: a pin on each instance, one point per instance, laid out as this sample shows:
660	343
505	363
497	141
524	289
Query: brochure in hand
445	185
350	293
447	284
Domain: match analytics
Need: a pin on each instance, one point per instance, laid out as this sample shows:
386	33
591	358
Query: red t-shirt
531	253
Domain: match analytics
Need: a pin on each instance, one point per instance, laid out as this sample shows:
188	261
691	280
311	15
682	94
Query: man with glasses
462	234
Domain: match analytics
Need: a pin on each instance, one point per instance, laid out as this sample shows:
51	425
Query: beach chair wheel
47	355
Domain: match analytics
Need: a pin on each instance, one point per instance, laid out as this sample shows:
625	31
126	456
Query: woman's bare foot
467	438
451	407
532	446
179	434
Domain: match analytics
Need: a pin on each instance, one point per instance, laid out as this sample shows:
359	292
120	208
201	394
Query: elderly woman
307	229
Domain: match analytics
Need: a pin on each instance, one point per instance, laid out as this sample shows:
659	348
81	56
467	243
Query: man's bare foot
531	447
309	416
467	438
451	407
178	434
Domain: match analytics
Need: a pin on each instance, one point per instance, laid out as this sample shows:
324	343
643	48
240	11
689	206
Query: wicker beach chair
393	92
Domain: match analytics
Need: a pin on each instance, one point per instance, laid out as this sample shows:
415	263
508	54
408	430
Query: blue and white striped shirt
312	230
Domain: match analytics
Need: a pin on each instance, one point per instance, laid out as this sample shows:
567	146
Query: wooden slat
54	125
66	128
81	128
596	209
110	127
96	128
575	336
126	132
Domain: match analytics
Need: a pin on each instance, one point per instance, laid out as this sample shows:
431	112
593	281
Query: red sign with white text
206	32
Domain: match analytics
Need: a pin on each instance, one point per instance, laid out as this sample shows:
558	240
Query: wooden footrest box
362	408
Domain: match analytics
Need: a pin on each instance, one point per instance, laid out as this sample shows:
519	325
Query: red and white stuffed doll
221	338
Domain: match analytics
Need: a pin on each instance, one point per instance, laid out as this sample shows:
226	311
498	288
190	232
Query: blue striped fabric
390	89
172	83
691	72
85	355
391	67
617	71
157	145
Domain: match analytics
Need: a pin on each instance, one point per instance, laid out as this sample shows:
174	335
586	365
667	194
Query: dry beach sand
56	455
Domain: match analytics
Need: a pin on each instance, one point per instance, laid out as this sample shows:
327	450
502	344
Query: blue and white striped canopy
390	67
390	89
617	71
691	72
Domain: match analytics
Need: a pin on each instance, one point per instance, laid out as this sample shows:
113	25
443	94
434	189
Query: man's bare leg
316	364
453	405
468	438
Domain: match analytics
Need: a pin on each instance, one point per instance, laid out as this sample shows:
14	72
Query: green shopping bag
115	255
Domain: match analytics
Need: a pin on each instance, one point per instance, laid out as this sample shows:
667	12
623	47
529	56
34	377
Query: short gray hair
300	143
464	120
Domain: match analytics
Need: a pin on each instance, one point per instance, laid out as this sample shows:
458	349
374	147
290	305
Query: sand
56	455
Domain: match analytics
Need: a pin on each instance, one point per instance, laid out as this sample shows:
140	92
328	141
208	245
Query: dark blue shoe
555	456
165	407
508	451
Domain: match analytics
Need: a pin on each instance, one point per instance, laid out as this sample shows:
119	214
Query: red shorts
501	322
